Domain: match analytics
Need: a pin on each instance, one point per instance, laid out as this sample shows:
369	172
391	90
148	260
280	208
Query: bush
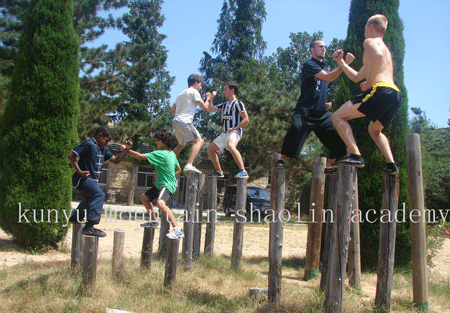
39	127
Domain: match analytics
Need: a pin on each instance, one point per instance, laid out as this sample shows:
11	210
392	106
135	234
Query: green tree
39	127
238	45
100	68
145	81
435	144
369	178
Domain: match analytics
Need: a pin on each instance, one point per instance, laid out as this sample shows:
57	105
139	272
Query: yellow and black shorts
380	103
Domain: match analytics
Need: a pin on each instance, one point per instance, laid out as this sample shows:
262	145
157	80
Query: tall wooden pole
354	257
337	268
277	196
239	221
212	216
314	238
386	255
417	219
330	215
191	201
198	217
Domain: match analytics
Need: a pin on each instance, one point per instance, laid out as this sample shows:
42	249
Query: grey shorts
185	132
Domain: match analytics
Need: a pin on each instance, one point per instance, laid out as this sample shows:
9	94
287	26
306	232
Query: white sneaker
191	168
177	232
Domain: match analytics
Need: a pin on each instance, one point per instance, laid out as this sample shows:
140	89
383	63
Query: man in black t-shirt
312	112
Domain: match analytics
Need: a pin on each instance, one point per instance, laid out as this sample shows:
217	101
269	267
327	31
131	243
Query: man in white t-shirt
184	109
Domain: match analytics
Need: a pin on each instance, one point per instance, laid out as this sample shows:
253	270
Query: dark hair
103	130
232	85
166	136
312	44
194	78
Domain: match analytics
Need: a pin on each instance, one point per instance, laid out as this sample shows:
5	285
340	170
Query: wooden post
337	268
89	261
277	195
147	248
314	237
386	254
354	252
198	217
77	246
171	262
417	219
212	216
132	186
330	215
191	200
164	230
117	256
239	220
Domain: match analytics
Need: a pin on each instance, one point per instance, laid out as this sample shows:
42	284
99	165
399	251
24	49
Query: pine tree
369	178
145	81
39	127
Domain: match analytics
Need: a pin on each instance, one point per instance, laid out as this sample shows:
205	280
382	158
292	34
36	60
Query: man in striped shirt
234	118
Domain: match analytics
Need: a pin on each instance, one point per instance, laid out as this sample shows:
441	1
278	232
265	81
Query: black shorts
155	194
380	103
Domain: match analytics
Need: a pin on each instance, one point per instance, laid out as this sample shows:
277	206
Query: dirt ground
256	243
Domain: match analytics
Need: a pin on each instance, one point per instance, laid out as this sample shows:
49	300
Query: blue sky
190	27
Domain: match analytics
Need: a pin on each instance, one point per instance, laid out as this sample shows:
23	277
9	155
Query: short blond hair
379	22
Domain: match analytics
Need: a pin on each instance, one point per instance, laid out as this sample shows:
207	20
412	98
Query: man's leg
294	139
231	146
178	149
340	120
148	206
212	149
198	143
161	204
381	140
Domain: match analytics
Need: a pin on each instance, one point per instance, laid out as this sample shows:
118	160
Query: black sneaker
279	163
74	220
330	170
91	231
391	168
352	159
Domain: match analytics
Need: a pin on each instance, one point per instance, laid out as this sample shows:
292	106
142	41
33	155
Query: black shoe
330	170
391	168
74	220
279	163
91	231
352	159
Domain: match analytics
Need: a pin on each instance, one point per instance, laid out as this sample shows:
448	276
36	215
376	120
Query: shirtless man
380	100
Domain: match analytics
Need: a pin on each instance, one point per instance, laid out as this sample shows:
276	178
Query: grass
212	285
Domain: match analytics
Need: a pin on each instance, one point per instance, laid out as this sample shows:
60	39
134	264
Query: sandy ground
256	242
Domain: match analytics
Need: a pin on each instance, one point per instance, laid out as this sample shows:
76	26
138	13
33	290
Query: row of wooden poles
85	248
341	241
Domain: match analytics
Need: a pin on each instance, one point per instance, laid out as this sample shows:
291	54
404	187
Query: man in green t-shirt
167	168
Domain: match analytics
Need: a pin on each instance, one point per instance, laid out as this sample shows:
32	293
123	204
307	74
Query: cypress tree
39	127
369	178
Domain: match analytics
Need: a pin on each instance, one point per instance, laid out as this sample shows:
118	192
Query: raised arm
355	76
331	76
137	155
209	101
122	155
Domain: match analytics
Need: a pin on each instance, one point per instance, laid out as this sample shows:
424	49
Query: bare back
377	61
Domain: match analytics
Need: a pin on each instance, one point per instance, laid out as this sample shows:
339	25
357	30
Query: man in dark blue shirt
91	154
312	112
